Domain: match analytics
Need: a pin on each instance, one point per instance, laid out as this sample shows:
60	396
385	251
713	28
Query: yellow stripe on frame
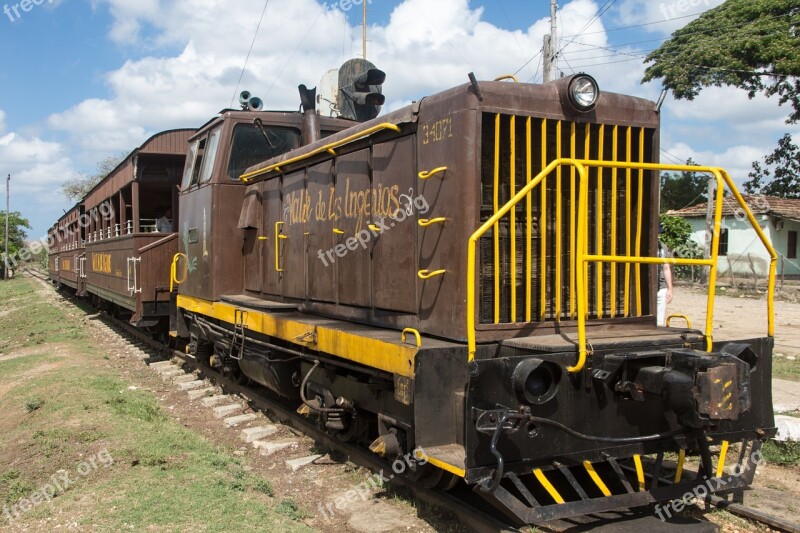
637	460
596	478
389	356
679	468
551	490
723	455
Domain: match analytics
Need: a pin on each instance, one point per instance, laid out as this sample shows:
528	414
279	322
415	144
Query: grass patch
289	508
164	477
784	369
781	453
33	404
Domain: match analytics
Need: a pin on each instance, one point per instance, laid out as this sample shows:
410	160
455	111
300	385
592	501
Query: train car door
272	220
351	242
254	238
296	212
394	256
320	262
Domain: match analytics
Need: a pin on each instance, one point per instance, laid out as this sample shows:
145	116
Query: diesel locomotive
471	278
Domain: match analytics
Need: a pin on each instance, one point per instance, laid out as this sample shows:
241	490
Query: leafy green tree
752	45
77	187
17	225
780	173
675	235
683	189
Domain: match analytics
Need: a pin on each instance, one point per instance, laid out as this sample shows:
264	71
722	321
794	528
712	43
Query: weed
289	509
264	487
33	404
782	453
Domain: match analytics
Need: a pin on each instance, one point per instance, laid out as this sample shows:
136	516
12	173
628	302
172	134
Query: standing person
664	283
164	224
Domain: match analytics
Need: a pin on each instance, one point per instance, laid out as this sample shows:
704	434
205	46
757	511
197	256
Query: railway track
457	503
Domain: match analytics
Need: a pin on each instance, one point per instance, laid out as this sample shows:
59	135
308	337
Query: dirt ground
740	316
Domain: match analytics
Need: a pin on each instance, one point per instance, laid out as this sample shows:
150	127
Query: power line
244	67
291	57
639	25
516	37
597	16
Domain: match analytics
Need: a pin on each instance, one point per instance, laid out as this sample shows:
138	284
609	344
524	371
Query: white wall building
740	247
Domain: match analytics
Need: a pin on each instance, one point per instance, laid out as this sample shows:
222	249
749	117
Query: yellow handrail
682	317
247	177
507	77
582	258
426	274
173	272
414	332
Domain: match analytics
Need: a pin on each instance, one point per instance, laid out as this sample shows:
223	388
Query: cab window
251	145
200	159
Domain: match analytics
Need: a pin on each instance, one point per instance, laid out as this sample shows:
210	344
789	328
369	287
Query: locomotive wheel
436	478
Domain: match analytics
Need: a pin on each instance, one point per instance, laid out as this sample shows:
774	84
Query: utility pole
550	48
364	33
8	215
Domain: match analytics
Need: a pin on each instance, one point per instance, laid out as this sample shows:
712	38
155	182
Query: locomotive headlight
583	92
536	381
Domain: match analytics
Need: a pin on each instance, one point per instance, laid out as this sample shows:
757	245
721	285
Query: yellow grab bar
329	148
682	317
424	222
278	238
507	77
338	231
426	274
429	174
416	336
373	227
174	272
583	258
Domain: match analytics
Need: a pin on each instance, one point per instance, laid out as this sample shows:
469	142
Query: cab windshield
251	145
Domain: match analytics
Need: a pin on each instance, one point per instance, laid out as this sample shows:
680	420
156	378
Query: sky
81	80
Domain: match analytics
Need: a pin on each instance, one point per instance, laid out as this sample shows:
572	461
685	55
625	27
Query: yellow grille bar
529	223
613	287
628	246
543	227
557	284
496	231
581	258
512	228
599	224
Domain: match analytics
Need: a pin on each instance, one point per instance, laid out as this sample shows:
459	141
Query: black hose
612	440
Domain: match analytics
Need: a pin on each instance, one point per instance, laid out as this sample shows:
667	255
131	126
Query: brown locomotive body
475	273
470	279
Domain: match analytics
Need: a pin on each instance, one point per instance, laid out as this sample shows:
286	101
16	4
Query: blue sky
81	80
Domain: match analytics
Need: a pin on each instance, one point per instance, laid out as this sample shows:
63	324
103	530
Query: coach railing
582	258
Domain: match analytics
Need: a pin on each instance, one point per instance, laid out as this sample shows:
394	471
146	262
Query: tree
77	187
780	174
676	235
16	237
683	189
754	46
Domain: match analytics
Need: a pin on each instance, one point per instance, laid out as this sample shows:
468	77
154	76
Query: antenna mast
550	50
364	34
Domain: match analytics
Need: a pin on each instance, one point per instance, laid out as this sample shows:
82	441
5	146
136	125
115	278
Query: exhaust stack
311	127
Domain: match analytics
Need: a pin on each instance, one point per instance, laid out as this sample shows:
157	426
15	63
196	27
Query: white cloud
675	13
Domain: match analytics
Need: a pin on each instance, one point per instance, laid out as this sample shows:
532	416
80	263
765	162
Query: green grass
784	369
782	453
60	410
